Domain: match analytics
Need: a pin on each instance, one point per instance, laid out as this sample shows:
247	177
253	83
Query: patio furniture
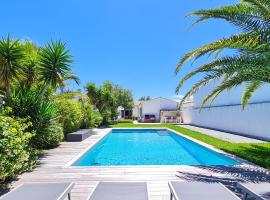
119	191
200	191
79	136
259	191
40	191
149	119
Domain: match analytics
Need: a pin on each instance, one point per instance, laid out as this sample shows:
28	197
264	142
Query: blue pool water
149	147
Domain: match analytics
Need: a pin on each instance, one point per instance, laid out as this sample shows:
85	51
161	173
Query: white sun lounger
259	191
200	191
40	191
120	191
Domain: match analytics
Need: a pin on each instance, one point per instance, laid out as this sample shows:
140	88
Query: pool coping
242	162
69	164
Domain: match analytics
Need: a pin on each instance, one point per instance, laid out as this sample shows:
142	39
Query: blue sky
136	44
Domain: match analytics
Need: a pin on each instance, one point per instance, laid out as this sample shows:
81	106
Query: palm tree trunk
8	92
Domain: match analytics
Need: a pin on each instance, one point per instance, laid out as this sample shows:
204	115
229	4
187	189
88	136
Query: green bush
71	115
31	103
106	117
125	121
16	155
91	117
52	135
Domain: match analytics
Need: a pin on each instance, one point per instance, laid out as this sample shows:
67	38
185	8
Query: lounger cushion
39	191
120	191
258	190
201	191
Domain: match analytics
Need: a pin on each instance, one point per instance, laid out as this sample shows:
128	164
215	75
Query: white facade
119	112
136	110
226	112
154	106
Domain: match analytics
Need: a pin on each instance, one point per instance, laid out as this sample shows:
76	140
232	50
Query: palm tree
11	55
249	64
54	65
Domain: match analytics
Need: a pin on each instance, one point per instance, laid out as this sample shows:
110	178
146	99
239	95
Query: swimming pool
149	147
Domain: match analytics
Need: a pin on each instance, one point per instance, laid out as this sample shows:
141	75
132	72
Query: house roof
168	110
165	99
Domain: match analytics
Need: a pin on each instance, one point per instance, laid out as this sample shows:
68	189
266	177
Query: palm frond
249	90
242	41
235	62
73	77
245	16
263	5
55	64
208	78
232	82
250	61
11	55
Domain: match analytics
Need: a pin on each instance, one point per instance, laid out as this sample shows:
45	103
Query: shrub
16	155
70	113
125	121
106	117
51	137
31	103
92	118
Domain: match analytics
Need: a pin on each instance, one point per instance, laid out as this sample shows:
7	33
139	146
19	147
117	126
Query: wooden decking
54	168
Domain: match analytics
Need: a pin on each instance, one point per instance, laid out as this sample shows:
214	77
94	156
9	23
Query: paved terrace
52	169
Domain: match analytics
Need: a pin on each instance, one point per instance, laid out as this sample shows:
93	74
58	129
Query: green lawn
258	153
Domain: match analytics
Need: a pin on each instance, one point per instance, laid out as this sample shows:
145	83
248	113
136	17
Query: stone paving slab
223	135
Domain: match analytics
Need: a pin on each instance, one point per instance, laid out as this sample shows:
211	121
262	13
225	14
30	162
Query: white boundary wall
227	114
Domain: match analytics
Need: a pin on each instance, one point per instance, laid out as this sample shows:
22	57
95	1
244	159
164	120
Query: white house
226	112
153	109
136	110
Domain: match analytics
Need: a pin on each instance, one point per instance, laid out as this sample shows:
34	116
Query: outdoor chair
258	191
119	191
200	191
40	191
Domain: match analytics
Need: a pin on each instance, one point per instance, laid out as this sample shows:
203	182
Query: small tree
30	64
108	97
54	65
11	55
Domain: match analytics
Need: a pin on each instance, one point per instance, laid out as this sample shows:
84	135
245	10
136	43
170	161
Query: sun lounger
259	191
200	191
40	191
120	191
